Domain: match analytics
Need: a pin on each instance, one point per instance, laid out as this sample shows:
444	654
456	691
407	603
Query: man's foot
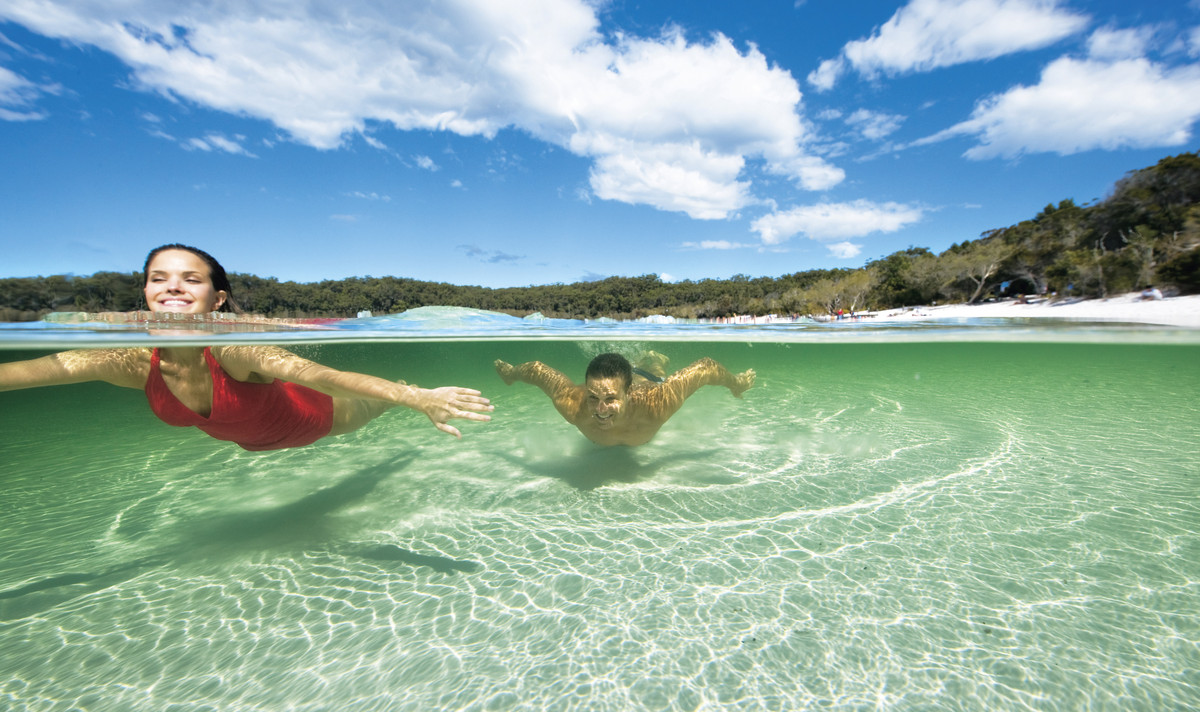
653	362
742	382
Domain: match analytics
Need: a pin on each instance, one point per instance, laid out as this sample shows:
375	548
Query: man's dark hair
610	365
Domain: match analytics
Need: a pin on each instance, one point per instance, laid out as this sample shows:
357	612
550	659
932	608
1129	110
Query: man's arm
564	393
663	399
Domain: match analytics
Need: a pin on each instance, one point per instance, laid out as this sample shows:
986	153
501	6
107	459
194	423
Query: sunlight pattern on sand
961	526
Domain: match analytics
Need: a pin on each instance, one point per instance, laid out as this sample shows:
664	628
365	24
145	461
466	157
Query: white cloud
1112	44
213	142
811	172
666	122
1081	105
229	145
671	124
672	176
489	256
827	73
426	163
928	34
714	245
874	125
826	222
372	196
845	250
17	96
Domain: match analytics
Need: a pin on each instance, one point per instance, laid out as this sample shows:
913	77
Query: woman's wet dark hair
220	280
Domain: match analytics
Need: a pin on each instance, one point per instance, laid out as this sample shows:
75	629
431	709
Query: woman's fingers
452	402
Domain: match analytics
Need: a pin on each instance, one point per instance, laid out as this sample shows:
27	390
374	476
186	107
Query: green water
957	526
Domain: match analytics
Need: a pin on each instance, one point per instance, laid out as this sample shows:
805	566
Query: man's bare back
609	408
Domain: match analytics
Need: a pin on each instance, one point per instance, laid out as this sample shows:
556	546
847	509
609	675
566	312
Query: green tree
977	263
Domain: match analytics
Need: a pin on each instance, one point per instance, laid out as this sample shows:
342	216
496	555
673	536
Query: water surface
972	516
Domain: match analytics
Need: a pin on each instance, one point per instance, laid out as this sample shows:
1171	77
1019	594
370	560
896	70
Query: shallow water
971	517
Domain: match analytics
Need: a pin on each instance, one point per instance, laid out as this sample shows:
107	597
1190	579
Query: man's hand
507	371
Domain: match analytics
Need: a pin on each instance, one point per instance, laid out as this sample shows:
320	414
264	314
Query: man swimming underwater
611	408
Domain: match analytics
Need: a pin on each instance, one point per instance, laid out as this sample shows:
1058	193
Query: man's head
607	382
610	366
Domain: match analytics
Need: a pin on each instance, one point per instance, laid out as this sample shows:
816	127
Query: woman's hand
442	404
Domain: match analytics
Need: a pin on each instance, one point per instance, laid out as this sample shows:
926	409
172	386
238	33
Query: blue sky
545	141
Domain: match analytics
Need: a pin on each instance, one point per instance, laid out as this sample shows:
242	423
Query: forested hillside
1147	232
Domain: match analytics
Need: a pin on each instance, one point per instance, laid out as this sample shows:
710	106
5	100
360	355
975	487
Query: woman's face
179	281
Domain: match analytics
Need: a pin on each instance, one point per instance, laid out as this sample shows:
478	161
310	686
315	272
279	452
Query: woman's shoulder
253	361
120	366
249	355
247	350
126	355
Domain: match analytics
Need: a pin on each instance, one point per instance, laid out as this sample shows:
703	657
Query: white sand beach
1128	308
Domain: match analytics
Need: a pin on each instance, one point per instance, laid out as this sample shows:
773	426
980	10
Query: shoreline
1183	311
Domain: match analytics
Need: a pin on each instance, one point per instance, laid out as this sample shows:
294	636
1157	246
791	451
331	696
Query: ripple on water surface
940	523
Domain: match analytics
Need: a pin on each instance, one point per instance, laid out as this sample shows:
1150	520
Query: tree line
1146	233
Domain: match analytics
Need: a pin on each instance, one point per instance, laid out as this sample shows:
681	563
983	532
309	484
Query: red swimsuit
257	416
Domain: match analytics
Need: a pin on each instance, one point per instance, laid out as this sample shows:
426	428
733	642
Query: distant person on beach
612	407
260	397
1151	294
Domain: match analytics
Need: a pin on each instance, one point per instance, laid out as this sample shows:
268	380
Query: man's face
605	398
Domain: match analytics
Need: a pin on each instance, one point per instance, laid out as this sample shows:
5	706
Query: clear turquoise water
991	516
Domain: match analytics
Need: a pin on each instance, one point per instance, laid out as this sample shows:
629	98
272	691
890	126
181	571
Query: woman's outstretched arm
121	367
439	404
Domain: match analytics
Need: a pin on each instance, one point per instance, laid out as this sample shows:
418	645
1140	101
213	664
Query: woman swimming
260	397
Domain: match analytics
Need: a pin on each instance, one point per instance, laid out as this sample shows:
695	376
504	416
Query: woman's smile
179	281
